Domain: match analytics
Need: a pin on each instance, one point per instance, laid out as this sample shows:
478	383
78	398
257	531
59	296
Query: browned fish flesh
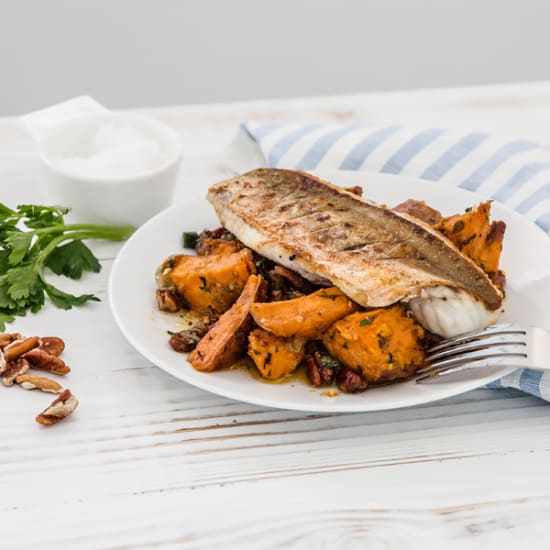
332	236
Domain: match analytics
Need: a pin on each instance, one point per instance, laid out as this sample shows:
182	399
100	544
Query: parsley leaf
6	302
19	243
72	260
64	300
23	281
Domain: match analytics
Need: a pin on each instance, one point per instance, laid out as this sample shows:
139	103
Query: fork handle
538	349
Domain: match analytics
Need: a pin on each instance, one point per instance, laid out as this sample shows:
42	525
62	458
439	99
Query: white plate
132	289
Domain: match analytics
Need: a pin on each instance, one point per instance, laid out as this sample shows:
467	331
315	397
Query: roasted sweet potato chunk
209	247
226	341
308	316
219	241
211	284
273	356
382	344
475	235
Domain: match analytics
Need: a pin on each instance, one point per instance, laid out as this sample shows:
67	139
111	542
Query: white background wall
131	53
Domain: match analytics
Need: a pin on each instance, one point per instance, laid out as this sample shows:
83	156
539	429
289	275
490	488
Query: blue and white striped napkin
515	172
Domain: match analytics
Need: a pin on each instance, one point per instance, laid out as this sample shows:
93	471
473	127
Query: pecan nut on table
19	354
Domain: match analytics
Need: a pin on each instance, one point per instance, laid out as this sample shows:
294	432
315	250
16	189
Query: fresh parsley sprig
34	237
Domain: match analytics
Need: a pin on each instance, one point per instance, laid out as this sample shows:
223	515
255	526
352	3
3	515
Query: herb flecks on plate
33	237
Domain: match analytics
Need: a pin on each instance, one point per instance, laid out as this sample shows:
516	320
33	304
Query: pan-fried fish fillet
331	236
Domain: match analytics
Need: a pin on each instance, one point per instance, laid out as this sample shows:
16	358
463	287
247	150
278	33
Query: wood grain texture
147	461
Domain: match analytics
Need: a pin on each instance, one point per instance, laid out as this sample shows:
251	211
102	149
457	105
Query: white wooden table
147	461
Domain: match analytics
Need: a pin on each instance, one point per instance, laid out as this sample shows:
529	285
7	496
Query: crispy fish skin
374	255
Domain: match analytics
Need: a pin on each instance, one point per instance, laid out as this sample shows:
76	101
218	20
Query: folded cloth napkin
515	172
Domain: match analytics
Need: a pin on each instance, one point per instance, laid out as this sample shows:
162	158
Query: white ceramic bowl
110	199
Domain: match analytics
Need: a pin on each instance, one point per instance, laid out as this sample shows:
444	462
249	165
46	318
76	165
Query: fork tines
498	342
494	330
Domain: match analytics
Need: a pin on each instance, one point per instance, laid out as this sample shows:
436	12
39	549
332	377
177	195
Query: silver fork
505	345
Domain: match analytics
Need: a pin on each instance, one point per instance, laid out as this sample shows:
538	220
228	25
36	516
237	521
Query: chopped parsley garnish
204	287
367	321
189	239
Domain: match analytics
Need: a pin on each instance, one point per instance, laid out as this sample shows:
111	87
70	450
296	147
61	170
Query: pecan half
8	338
321	369
13	370
350	381
185	341
19	347
31	382
312	371
62	407
39	359
167	301
52	345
